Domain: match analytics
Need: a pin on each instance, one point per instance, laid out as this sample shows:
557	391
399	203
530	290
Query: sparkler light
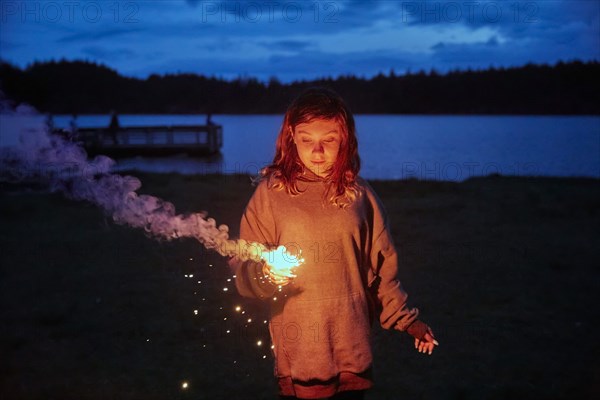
279	265
281	262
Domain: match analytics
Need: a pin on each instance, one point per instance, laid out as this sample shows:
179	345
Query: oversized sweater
321	322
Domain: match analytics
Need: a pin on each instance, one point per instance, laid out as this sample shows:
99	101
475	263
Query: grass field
504	269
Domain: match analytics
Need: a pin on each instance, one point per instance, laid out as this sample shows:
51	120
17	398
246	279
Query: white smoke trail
41	157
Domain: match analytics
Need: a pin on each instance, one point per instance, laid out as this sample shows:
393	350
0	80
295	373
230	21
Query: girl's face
318	143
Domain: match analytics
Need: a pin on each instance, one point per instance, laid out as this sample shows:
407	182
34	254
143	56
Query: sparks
184	385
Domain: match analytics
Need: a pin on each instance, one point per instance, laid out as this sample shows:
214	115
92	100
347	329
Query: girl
312	201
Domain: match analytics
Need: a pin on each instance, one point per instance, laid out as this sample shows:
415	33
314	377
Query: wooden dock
165	140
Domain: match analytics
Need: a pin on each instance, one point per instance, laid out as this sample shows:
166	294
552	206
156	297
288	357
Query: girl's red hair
317	103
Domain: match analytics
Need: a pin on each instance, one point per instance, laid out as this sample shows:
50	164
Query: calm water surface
398	146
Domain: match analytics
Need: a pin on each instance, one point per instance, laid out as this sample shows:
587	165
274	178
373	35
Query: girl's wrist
417	329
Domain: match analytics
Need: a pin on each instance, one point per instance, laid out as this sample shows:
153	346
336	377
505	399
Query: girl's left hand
276	278
427	344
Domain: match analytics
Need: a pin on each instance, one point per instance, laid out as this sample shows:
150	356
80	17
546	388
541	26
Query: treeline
83	87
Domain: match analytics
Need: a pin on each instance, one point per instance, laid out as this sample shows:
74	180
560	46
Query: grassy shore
503	269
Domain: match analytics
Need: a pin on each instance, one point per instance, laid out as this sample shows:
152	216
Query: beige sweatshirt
321	322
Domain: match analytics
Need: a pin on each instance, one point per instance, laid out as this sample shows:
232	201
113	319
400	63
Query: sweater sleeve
384	282
257	225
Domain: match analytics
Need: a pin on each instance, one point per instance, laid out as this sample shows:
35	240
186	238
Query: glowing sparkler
281	264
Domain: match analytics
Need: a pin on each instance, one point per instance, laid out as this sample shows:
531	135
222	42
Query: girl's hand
279	278
427	344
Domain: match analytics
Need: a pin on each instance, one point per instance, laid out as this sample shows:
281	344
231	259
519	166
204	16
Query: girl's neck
310	176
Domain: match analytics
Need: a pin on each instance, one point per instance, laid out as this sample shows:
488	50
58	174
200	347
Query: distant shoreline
82	87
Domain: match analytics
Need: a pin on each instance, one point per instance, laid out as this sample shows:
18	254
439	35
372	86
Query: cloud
287	45
447	56
516	20
438	46
8	45
104	53
273	18
290	67
492	42
315	64
97	35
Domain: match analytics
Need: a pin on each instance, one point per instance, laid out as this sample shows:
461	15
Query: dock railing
207	139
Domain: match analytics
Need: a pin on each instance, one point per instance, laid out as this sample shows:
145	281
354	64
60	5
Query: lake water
450	148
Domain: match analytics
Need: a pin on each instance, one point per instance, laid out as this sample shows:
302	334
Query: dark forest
83	87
